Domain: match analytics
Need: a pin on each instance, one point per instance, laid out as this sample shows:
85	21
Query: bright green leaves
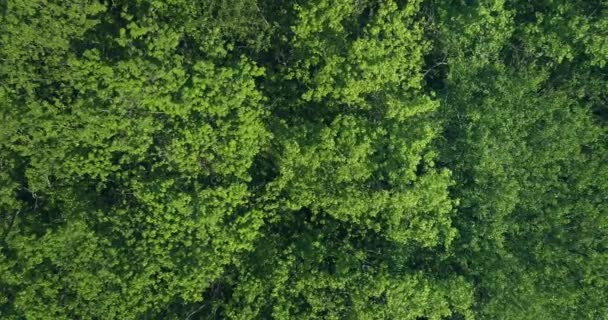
35	38
355	173
476	31
565	30
63	274
346	172
128	140
320	160
327	269
220	130
359	160
414	296
345	53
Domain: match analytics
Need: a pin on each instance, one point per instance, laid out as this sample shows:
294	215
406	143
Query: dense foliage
310	159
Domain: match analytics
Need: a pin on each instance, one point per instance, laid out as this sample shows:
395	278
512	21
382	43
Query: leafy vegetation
257	159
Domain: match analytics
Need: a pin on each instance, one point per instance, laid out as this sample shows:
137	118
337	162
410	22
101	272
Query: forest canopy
305	159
